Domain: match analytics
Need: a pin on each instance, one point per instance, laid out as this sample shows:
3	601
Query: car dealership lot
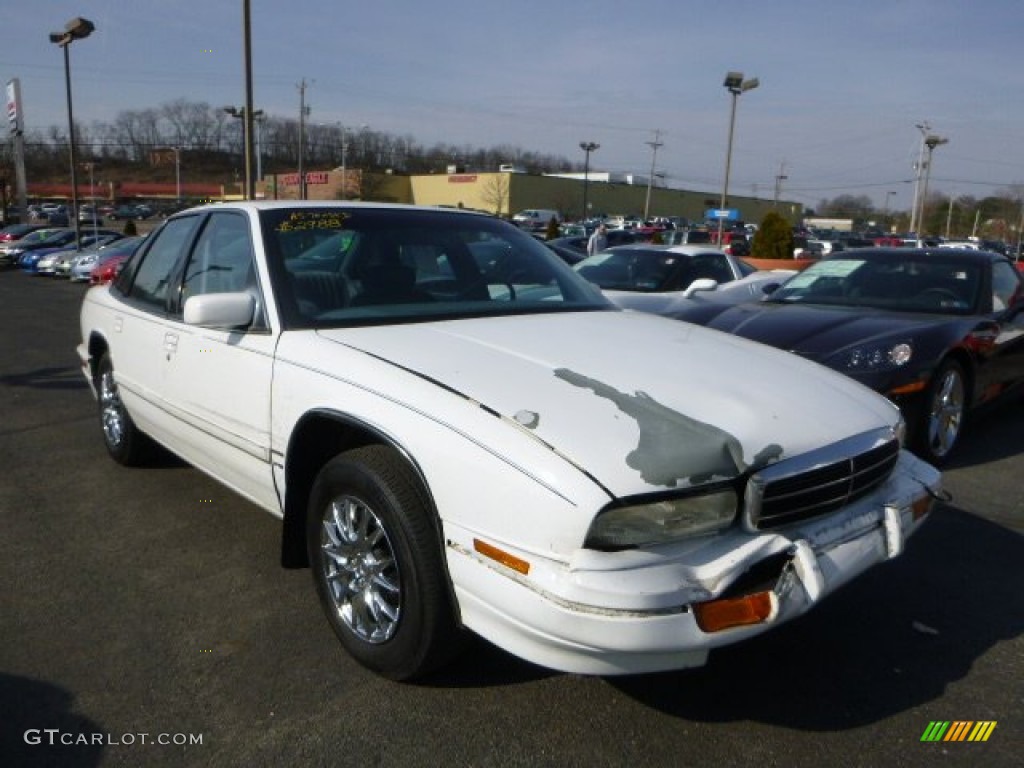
150	601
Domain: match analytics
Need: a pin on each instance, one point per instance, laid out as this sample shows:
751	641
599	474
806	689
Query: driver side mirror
220	310
701	284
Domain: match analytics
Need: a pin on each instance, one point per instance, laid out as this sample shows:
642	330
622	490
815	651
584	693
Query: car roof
272	205
897	254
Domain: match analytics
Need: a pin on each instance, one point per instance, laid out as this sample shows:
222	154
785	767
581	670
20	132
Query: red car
106	271
888	242
18	231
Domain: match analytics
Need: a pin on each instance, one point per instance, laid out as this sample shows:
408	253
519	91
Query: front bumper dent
633	612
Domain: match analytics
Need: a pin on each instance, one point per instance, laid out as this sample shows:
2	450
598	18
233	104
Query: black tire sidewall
129	450
364	475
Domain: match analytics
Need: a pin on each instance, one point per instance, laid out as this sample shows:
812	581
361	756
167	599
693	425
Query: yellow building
506	192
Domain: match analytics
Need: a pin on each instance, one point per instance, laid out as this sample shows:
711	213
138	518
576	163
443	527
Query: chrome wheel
125	444
360	570
111	410
378	563
946	411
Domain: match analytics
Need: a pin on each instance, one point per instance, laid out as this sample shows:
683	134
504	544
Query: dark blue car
28	261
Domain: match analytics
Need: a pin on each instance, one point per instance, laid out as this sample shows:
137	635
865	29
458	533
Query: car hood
641	403
814	331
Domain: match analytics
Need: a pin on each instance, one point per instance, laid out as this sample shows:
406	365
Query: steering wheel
470	291
938	295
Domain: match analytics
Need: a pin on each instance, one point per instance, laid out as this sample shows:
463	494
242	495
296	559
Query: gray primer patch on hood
673	446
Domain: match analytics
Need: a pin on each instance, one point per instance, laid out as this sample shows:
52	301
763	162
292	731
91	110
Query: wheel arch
318	437
968	365
96	346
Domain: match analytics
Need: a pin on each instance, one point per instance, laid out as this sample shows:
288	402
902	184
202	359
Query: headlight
662	521
876	357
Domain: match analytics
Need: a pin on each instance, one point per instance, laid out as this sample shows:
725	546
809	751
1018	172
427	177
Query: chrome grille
817	484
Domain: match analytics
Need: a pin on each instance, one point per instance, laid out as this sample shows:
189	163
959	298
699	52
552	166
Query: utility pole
779	178
650	179
924	128
931	141
303	111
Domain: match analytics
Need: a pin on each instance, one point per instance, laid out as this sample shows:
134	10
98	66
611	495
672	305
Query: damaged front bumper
664	608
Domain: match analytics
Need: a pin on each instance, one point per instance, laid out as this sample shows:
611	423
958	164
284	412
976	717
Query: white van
535	219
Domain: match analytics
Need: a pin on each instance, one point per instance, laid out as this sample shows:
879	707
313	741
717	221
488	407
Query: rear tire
378	565
123	440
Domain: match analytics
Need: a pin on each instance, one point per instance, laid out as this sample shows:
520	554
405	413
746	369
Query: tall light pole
250	187
650	179
931	142
260	118
587	147
736	85
303	113
76	29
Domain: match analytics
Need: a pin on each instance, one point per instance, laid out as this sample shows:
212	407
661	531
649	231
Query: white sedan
460	433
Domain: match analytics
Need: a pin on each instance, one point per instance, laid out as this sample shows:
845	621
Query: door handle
170	343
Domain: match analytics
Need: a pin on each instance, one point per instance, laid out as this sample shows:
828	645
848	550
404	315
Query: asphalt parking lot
147	606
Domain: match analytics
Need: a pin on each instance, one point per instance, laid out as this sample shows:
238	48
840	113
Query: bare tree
495	193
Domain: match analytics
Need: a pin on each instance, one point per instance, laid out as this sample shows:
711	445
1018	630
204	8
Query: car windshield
58	238
928	282
632	269
349	266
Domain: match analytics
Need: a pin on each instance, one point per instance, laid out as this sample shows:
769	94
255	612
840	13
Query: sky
843	83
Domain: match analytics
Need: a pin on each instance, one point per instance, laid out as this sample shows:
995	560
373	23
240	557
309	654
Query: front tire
378	565
941	418
123	440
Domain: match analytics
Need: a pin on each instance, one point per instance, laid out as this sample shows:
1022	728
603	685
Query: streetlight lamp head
76	29
733	80
934	141
749	85
79	27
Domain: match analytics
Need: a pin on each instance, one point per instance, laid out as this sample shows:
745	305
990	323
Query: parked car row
53	252
59	215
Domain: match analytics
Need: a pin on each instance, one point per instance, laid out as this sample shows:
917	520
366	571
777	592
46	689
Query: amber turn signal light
509	561
922	507
716	615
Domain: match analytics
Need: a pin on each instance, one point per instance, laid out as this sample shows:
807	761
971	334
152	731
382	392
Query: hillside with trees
139	144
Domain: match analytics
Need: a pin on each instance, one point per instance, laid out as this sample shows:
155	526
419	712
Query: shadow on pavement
891	641
62	378
29	709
